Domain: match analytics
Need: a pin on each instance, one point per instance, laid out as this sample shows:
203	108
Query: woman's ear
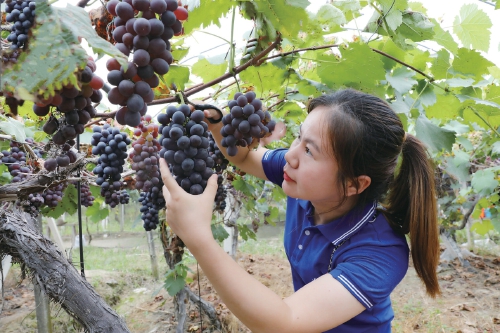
363	183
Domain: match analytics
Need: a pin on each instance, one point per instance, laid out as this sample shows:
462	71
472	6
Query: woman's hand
188	215
209	114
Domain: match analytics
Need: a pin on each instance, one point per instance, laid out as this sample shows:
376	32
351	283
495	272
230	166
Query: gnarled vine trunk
57	277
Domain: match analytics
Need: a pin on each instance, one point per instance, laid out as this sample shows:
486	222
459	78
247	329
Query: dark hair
367	138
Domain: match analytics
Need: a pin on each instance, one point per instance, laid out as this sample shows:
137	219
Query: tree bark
57	277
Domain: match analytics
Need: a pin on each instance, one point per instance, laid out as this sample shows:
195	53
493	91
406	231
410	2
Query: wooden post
122	216
41	299
6	264
52	227
152	255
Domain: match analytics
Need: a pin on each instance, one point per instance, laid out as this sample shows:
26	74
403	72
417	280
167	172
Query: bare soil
470	300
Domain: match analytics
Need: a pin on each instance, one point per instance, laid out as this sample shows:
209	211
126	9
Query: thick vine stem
58	278
39	182
254	61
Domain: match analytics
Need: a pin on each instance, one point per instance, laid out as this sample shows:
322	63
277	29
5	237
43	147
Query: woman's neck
324	215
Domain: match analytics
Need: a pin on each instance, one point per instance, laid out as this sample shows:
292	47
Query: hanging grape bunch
185	142
124	197
139	31
245	122
111	146
151	204
73	108
21	13
220	164
145	159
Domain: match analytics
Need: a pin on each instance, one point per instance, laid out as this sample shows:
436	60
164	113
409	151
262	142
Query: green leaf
359	68
436	138
495	148
77	20
388	46
208	71
174	283
454	168
68	204
5	177
291	111
482	227
471	63
96	213
280	13
472	27
484	182
245	232
444	38
350	8
207	13
401	79
496	221
331	17
242	186
265	78
178	53
415	27
441	64
394	19
14	128
447	107
178	75
219	232
427	95
278	194
274	213
51	61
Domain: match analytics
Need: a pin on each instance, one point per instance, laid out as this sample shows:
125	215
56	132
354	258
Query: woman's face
311	170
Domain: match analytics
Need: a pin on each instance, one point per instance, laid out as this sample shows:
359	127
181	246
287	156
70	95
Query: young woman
356	185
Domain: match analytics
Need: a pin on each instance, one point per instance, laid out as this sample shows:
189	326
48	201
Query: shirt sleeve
273	163
371	275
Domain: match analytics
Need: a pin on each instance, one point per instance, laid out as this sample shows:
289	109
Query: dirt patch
470	300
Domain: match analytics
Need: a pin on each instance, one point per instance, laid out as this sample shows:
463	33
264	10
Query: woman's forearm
259	308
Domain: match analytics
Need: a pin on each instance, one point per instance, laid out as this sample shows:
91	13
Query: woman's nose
291	156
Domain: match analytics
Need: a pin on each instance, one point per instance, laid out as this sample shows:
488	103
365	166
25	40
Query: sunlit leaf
472	26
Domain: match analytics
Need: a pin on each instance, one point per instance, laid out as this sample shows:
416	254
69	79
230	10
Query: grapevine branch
228	75
466	215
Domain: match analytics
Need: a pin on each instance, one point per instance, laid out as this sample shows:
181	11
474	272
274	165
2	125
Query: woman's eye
308	151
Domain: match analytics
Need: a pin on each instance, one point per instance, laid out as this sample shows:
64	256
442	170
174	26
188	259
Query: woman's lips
287	178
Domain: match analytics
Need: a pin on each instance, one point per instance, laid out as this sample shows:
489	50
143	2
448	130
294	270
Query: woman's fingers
166	176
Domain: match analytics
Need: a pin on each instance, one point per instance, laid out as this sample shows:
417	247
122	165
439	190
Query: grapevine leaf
273	216
415	27
178	53
279	14
177	75
496	221
444	38
390	5
388	46
97	213
68	204
266	78
77	20
219	232
207	13
495	148
484	181
394	19
426	92
436	138
482	227
5	177
60	51
242	186
401	79
472	27
174	283
291	110
330	17
245	232
359	68
471	63
447	107
350	8
208	71
459	171
278	194
494	71
441	64
14	128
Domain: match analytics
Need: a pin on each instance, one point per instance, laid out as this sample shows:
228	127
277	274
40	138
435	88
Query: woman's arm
317	307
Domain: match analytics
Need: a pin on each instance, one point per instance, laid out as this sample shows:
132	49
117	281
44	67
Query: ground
470	300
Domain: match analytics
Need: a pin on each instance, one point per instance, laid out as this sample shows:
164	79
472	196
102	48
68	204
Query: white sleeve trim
355	291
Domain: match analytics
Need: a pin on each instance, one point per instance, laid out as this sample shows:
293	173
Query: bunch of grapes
220	164
86	197
124	197
21	13
148	39
245	122
64	158
185	142
111	146
145	160
151	204
53	195
15	159
11	57
73	106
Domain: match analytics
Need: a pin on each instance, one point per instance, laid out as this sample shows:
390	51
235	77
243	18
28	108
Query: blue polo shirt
371	261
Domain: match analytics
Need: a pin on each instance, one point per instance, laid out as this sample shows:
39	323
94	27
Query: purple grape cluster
111	146
151	204
185	147
15	159
11	57
220	164
73	104
86	197
124	197
148	39
67	156
21	13
245	122
53	195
